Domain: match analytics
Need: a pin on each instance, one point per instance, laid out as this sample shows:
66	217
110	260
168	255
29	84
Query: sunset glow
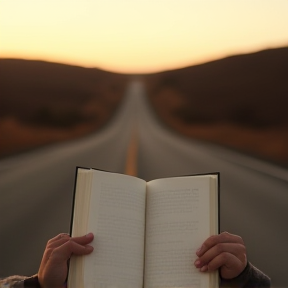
137	36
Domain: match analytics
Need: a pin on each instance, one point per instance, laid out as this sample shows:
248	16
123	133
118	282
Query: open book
146	233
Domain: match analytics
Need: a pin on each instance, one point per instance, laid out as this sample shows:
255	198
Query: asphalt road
36	188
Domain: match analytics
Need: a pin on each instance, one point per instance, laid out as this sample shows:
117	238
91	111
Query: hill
239	101
44	102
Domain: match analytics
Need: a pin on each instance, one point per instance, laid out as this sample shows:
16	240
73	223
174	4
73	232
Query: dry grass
17	137
269	143
44	103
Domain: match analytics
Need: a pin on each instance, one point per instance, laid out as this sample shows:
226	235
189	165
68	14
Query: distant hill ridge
239	101
31	89
249	89
43	102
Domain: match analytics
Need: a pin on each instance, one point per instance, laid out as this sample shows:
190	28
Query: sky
139	36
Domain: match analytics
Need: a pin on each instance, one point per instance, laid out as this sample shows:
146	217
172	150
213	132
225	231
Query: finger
64	252
83	240
224	237
235	249
59	236
63	237
230	266
57	243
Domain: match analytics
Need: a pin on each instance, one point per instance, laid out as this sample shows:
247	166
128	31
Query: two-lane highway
36	188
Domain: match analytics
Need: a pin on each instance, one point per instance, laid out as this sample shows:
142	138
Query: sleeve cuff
249	277
32	282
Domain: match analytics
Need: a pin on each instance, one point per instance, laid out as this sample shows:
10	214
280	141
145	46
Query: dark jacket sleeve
251	277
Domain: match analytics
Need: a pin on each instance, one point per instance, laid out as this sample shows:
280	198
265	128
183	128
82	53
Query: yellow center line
131	160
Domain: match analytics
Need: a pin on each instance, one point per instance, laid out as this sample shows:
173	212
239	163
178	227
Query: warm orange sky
139	35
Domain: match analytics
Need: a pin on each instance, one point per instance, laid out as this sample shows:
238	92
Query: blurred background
148	88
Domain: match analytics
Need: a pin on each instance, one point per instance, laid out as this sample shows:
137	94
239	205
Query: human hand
225	252
54	267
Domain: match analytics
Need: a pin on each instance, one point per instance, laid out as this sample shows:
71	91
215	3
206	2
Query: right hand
225	252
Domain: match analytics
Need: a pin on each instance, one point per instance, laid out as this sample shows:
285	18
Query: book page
117	219
177	223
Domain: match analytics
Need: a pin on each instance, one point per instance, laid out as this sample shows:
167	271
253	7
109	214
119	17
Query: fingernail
90	248
89	235
199	250
197	263
204	268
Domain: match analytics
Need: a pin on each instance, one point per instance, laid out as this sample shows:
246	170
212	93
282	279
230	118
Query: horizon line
139	73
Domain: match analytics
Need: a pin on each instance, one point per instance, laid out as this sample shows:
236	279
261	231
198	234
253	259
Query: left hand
226	252
54	267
